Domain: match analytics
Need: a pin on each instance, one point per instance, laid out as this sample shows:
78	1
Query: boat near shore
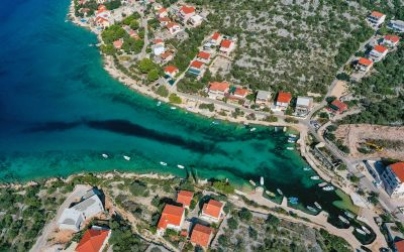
360	231
163	163
323	184
279	191
292	135
312	209
329	188
269	193
253	129
180	166
349	214
314	177
318	205
290	148
252	182
104	155
343	219
366	230
261	181
173	108
127	158
306	168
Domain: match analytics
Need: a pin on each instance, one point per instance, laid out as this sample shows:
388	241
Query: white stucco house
89	206
393	180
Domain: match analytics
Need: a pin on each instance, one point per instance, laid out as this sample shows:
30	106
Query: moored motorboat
163	163
314	177
279	191
312	209
158	103
322	184
306	168
252	182
318	205
253	129
290	141
290	148
360	231
328	188
366	230
127	158
343	219
261	180
104	155
173	108
349	214
292	135
269	193
180	166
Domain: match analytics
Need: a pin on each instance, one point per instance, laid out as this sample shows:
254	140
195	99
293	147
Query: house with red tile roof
216	39
164	21
391	40
196	68
201	236
101	22
376	18
185	198
203	57
171	70
338	106
378	53
218	88
212	211
185	12
364	64
283	99
118	43
240	93
226	46
393	180
166	56
94	240
161	13
399	246
172	217
173	27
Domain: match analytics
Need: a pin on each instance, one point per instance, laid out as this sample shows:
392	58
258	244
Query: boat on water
284	129
311	209
293	200
291	141
163	163
366	230
318	205
290	148
252	182
360	231
292	135
341	218
322	184
269	193
104	155
328	188
158	103
127	158
214	122
253	129
314	177
306	168
261	180
349	214
279	191
173	108
180	166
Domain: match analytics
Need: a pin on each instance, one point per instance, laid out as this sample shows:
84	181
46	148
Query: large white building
397	25
393	180
89	206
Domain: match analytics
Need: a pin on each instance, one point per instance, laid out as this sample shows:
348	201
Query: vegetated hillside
290	44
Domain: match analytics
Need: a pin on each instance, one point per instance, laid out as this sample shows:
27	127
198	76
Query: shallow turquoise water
59	111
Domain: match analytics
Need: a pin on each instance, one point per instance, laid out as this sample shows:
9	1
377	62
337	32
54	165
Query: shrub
162	91
174	98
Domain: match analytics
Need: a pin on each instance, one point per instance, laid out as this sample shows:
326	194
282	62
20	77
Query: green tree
162	91
245	214
152	75
174	98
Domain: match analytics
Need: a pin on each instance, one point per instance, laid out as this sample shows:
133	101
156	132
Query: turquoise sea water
59	111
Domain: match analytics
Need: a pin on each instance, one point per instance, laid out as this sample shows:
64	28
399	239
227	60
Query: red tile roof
158	41
398	169
196	64
204	55
118	43
161	10
187	9
380	48
102	7
284	97
171	24
185	197
170	69
339	105
166	54
392	38
226	43
164	19
376	14
219	86
92	240
365	62
212	208
170	215
241	92
201	235
399	246
216	36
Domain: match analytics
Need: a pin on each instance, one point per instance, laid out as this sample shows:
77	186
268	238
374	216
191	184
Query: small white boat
253	129
284	129
314	177
269	193
306	169
343	219
349	214
252	182
291	141
292	135
366	230
328	188
318	205
322	184
104	155
173	108
262	181
360	231
215	123
127	158
180	166
158	103
163	163
290	148
279	191
312	209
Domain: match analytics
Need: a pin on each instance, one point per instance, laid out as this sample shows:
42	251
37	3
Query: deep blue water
59	111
